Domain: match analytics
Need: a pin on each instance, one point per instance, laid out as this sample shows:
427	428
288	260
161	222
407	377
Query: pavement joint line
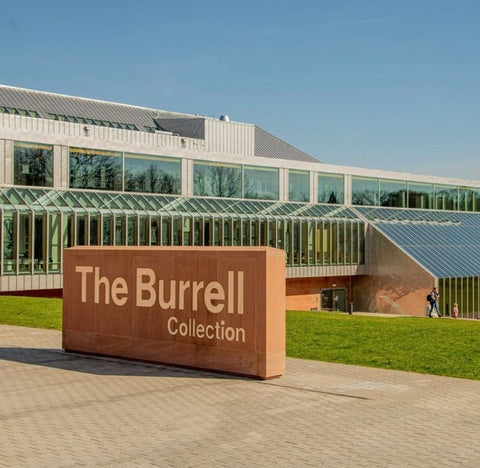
312	390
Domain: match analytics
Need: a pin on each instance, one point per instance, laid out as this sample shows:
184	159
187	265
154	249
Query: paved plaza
69	410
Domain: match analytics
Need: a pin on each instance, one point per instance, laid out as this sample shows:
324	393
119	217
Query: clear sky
385	84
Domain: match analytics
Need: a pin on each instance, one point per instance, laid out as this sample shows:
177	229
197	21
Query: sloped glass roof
69	201
445	243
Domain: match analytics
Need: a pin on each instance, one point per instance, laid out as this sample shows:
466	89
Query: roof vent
225	118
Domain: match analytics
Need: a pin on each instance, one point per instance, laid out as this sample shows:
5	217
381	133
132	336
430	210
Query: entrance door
334	299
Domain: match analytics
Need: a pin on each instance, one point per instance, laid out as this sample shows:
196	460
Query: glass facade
32	164
260	183
298	186
95	169
331	188
36	228
217	180
118	171
402	194
465	292
152	174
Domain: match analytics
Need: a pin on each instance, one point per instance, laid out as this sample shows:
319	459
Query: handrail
391	306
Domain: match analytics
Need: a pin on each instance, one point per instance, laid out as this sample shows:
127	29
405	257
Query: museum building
77	171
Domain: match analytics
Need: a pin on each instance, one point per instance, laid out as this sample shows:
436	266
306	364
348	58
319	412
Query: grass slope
416	344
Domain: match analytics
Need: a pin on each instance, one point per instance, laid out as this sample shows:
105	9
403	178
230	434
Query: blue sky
382	84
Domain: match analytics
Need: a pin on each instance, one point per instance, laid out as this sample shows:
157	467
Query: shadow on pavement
100	365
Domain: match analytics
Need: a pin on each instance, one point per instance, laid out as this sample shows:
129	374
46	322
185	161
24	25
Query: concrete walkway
64	410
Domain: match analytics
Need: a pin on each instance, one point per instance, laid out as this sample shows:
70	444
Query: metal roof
145	119
84	201
445	243
270	146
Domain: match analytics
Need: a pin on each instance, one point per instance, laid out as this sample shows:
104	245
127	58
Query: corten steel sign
218	308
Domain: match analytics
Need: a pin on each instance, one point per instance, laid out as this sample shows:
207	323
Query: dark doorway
334	299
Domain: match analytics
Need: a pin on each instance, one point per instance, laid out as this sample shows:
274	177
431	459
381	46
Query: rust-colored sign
217	308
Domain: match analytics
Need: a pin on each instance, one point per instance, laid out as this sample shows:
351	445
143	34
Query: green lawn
31	312
416	344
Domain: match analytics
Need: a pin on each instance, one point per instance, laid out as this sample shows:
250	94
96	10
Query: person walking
434	302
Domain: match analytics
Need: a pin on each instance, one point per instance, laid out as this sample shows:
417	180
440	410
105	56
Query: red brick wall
304	293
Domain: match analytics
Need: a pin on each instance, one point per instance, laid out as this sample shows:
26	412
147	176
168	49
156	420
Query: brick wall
304	293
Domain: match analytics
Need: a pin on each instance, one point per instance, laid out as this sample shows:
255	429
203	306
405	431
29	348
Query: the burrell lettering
149	291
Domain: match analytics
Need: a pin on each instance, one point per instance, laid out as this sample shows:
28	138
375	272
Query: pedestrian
455	310
434	302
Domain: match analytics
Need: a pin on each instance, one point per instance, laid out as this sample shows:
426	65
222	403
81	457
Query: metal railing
386	305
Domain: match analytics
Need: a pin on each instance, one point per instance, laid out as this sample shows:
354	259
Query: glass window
236	232
94	230
187	231
132	230
25	243
120	230
260	182
354	257
335	244
365	191
198	231
9	244
217	232
361	244
81	237
304	245
393	193
288	242
155	232
272	232
280	234
217	180
330	188
33	164
296	242
227	232
420	195
152	174
446	197
39	243
177	230
143	230
476	199
54	243
166	231
95	169
107	230
298	185
68	227
319	243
